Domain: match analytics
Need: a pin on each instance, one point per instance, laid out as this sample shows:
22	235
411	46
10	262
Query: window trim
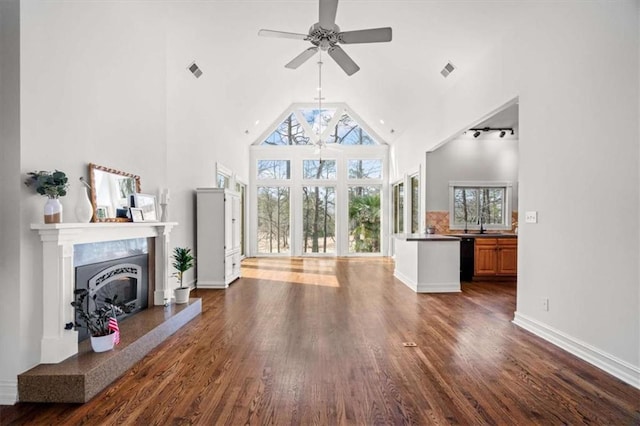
482	184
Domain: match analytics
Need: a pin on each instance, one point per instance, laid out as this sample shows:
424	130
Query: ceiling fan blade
328	9
373	35
302	58
282	34
345	62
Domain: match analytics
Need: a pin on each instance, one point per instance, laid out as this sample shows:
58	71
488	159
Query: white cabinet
218	237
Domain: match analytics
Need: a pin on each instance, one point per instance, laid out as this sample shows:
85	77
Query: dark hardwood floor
319	341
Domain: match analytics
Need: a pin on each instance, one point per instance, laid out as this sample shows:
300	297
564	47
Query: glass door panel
364	219
273	219
319	219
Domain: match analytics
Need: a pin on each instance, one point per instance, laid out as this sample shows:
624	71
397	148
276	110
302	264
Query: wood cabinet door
507	256
485	256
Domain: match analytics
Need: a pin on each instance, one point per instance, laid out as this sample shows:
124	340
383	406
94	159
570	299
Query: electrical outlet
545	304
531	217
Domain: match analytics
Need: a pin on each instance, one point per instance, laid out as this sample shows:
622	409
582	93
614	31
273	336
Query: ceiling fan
325	35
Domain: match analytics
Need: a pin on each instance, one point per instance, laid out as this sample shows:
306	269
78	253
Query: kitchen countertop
427	237
486	235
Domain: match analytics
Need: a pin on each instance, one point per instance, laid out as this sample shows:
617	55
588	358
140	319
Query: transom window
274	169
307	126
319	169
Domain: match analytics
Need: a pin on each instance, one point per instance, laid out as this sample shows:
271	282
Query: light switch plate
531	217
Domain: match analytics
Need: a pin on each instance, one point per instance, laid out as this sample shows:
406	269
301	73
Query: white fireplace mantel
58	274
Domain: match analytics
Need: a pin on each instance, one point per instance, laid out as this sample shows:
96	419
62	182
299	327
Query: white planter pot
102	343
182	294
52	211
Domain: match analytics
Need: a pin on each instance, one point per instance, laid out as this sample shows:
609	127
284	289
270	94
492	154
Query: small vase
102	343
83	209
52	211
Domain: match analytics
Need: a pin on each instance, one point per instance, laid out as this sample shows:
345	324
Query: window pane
319	169
364	219
365	169
289	132
415	204
398	208
319	219
493	206
273	220
348	132
472	204
274	169
223	181
317	120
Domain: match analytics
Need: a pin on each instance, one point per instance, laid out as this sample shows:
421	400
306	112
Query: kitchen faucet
481	223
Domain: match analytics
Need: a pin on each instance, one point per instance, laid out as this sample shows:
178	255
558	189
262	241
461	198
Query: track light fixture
503	131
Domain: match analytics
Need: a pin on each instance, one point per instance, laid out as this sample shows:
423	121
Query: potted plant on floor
99	318
183	260
53	185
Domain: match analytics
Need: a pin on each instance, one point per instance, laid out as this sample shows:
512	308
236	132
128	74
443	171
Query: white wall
486	158
579	164
10	182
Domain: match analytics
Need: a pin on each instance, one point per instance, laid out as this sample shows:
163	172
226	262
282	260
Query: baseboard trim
453	287
213	284
8	392
623	370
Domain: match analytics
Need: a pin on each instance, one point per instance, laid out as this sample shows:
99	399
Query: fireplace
126	278
63	252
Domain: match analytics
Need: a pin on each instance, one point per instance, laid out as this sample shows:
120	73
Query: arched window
319	185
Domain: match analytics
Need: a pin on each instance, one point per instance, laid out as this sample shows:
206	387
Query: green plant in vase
183	260
53	185
96	320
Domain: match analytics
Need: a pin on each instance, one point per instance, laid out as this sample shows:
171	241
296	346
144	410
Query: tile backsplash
440	219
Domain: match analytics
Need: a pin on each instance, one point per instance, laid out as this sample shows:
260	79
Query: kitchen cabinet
496	257
218	237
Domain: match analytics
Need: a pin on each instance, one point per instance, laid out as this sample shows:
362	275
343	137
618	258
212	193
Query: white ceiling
399	82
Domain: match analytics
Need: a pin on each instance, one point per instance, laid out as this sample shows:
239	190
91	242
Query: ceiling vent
448	69
195	70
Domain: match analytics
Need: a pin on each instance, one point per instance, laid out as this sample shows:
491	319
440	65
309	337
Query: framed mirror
110	190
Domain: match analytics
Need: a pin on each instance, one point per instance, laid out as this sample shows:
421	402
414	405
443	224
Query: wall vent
195	70
448	69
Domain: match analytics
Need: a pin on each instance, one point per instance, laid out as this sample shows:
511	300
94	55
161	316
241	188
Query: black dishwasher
466	259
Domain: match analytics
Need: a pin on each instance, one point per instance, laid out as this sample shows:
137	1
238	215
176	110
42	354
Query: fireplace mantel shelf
58	241
94	225
79	233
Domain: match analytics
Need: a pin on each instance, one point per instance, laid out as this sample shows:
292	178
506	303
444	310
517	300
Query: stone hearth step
80	377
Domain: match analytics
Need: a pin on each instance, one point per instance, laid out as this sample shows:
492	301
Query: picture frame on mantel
147	203
137	215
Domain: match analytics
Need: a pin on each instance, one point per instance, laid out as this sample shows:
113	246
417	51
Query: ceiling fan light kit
325	35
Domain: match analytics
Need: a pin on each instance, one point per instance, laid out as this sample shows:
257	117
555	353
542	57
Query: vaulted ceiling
399	83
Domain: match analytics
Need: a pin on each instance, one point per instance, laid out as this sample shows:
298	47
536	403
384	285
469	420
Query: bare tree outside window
289	132
274	169
318	219
273	220
473	204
